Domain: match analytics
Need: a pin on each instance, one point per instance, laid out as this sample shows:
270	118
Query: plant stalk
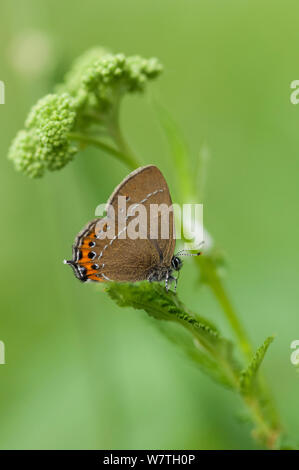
124	157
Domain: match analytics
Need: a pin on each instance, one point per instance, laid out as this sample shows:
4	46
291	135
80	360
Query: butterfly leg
153	277
172	279
166	281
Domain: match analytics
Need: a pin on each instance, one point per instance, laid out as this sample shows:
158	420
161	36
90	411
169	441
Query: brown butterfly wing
147	186
114	258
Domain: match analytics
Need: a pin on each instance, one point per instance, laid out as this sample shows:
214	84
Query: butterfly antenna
66	261
182	253
186	253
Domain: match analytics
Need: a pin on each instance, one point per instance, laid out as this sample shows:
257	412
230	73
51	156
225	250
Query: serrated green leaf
184	343
205	345
248	375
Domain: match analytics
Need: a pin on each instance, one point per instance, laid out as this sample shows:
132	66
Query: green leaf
179	151
201	171
204	345
248	375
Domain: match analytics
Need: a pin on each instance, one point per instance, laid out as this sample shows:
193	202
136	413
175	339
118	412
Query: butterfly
102	252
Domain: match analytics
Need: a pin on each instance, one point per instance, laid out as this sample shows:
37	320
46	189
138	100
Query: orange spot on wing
96	278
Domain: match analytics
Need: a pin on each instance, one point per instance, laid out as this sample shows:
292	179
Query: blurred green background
80	372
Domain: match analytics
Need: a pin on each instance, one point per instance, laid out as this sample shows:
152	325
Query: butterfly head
176	263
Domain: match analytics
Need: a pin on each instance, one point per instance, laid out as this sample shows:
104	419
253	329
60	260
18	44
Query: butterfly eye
92	255
92	244
176	263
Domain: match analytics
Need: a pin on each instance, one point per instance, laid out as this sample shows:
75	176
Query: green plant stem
211	277
125	158
231	315
268	426
117	136
245	346
232	318
267	434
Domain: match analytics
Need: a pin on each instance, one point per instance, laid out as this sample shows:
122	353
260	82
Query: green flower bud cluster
84	104
114	75
44	144
73	78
